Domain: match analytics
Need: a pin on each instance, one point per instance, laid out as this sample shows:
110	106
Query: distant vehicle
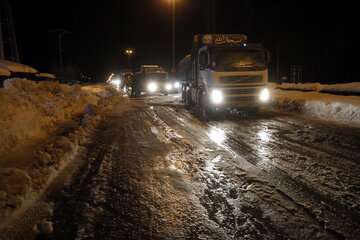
152	79
127	77
224	71
121	81
175	86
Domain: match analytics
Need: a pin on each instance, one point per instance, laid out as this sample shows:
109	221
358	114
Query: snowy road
156	172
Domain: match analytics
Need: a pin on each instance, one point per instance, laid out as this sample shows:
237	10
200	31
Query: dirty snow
42	127
4	72
46	75
342	109
344	88
32	110
16	67
241	179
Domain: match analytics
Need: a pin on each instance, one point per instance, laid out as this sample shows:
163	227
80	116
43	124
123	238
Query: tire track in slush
227	181
246	223
311	201
336	168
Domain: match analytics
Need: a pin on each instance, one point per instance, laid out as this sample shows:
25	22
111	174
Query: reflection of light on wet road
210	166
217	135
264	135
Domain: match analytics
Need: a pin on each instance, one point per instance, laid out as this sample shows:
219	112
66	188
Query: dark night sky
307	34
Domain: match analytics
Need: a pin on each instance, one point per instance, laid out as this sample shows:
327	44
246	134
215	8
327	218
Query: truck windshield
153	69
157	76
228	60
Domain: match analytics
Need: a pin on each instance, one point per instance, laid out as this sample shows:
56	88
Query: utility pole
60	34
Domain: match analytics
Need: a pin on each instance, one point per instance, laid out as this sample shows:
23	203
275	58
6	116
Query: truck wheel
134	93
187	100
203	109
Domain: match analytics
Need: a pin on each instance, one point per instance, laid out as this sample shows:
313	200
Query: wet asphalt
157	172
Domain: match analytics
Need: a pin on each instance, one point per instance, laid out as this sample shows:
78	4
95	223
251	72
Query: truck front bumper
239	97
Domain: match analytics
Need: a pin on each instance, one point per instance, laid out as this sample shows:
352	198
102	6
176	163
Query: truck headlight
216	96
152	87
176	85
168	87
264	95
116	81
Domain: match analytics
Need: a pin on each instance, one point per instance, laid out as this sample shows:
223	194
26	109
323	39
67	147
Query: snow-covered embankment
324	102
42	127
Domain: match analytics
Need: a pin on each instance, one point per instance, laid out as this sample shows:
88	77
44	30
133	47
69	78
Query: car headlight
168	87
216	96
177	85
116	81
264	95
152	87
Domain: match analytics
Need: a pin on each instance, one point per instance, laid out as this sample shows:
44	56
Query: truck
151	79
224	71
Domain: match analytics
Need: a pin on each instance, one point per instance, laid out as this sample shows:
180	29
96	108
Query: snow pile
59	119
4	72
342	88
16	67
299	86
32	110
13	196
46	75
345	88
343	109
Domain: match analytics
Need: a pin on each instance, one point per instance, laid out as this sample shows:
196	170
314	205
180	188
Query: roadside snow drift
16	67
342	109
30	110
42	128
344	88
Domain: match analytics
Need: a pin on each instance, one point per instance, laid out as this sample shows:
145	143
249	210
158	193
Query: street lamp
129	53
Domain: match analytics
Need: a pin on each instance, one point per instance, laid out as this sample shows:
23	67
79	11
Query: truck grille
240	91
241	79
241	99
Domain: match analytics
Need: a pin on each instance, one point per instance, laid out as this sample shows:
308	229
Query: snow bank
16	67
4	72
34	112
346	88
342	88
299	86
343	109
46	75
